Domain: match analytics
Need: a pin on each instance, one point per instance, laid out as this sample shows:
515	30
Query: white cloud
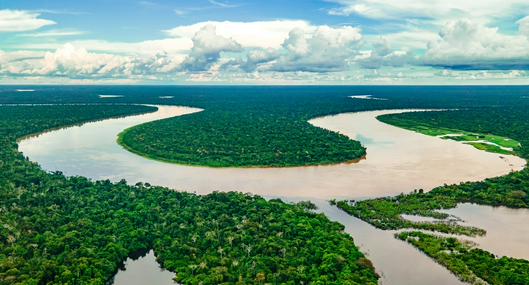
21	21
413	39
318	49
280	51
168	45
296	46
76	62
283	45
54	33
207	49
464	44
70	60
262	34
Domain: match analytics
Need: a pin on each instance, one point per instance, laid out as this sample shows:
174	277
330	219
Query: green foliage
470	264
498	124
70	230
486	142
220	138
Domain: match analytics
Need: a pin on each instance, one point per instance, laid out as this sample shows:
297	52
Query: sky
349	42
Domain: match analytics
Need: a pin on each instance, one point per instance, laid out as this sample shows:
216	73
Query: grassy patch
485	142
489	148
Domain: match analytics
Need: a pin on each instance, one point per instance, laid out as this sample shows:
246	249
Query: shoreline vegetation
59	230
485	142
469	263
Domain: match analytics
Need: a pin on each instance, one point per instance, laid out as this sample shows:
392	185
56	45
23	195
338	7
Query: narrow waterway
397	161
396	262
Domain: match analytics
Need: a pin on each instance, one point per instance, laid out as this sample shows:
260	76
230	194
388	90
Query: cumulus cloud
67	61
317	50
465	44
304	48
76	62
21	21
309	49
438	33
207	49
271	34
70	60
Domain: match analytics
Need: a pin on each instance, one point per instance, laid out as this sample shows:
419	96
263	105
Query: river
397	161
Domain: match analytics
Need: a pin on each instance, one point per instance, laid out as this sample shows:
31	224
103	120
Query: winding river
397	161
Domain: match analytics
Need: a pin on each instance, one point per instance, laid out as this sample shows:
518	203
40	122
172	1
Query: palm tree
230	240
203	265
193	268
221	252
248	249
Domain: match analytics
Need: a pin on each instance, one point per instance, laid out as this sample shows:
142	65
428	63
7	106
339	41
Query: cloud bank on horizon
332	41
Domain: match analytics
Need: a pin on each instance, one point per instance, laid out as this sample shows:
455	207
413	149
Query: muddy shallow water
507	229
397	161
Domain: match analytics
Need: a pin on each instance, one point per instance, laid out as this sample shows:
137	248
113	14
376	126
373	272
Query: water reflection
143	270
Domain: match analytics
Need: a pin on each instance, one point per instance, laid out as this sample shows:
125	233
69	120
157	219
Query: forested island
240	139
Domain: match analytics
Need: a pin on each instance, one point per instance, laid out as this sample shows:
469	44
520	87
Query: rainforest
65	222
